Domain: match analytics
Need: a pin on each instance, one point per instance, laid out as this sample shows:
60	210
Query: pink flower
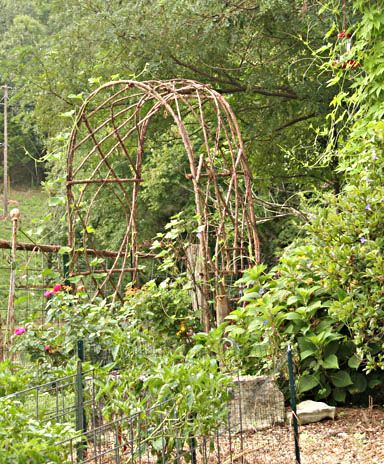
20	330
48	349
57	288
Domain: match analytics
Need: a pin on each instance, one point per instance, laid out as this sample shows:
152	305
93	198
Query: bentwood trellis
107	153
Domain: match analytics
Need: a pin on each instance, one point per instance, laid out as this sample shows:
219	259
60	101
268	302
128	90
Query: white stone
314	411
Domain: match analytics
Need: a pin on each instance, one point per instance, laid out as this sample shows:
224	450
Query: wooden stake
15	216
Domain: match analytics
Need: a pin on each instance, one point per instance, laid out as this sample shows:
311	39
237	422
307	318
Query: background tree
256	52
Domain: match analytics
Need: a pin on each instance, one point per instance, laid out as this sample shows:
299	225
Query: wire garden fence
158	433
22	294
252	428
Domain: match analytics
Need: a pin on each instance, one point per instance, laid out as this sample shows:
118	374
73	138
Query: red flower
57	288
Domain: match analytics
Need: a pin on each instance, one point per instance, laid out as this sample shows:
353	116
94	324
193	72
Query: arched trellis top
105	164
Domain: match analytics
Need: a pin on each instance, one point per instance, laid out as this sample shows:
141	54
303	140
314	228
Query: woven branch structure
105	164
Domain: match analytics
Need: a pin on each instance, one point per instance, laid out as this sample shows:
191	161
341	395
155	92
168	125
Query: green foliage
260	56
151	317
25	440
293	304
194	384
325	294
151	360
12	378
163	309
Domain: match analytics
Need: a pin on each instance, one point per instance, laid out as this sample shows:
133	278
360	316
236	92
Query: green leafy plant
36	442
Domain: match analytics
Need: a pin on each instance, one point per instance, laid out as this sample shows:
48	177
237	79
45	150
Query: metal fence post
80	411
66	268
192	449
292	390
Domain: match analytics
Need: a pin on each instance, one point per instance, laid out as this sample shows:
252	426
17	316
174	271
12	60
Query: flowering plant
19	330
57	288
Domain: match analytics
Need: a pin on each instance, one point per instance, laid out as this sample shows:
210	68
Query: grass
32	206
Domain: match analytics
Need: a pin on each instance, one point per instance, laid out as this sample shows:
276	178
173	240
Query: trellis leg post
292	390
222	304
195	271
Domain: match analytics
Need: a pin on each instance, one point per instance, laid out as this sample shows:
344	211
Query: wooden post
5	152
195	270
10	325
222	304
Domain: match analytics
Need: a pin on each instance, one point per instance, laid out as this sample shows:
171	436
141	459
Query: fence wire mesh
35	272
252	429
59	399
160	434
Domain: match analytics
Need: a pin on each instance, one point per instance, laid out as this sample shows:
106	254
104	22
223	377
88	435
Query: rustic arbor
106	159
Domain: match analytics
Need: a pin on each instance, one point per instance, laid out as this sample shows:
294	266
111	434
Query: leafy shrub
325	296
25	440
165	309
291	305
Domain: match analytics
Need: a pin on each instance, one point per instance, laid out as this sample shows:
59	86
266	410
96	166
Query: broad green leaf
331	362
158	444
292	300
292	316
339	395
115	351
373	383
234	330
307	382
306	354
341	379
65	250
360	383
354	361
259	350
324	392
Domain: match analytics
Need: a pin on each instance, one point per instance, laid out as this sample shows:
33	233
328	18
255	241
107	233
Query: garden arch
106	158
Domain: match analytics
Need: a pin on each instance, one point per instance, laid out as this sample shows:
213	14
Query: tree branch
295	121
236	87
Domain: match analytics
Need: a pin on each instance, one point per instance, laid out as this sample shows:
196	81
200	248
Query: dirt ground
356	436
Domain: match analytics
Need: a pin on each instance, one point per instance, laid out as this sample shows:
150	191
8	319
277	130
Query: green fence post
80	411
66	268
292	390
